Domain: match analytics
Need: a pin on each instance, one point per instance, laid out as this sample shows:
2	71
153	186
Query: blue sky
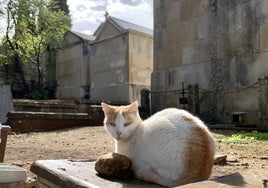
88	14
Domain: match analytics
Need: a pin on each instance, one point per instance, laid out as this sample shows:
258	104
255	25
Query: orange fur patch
188	119
198	157
111	118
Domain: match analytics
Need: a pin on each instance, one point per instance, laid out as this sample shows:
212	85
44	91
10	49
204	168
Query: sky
87	15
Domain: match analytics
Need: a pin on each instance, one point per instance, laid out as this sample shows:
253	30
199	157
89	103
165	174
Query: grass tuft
245	137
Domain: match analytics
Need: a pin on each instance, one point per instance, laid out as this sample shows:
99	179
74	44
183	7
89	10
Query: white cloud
88	14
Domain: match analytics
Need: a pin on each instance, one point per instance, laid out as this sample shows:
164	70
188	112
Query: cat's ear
133	107
106	108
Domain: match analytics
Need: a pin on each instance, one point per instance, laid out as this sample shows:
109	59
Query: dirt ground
90	142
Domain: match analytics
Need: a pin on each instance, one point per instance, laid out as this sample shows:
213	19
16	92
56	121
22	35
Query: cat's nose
118	133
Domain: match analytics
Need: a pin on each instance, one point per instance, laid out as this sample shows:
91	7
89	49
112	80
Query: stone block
190	74
168	57
264	37
238	43
250	68
204	6
116	77
69	54
186	31
212	24
69	67
115	61
207	49
224	46
190	9
220	159
172	33
70	92
113	93
173	13
6	103
190	53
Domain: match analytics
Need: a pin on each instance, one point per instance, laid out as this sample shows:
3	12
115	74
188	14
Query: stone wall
221	45
109	76
72	72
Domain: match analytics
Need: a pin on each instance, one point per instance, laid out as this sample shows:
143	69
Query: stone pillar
6	103
263	103
193	99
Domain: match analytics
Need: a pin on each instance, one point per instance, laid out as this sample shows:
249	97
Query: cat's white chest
125	148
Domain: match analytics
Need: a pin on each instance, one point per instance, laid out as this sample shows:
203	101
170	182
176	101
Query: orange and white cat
170	148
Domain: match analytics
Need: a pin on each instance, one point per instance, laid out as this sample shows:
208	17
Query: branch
8	25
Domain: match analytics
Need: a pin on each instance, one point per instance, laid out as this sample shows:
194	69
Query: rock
114	165
232	159
220	159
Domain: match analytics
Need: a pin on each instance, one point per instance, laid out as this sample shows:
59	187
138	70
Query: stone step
68	106
43	121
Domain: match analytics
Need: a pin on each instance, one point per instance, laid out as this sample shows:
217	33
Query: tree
32	26
61	5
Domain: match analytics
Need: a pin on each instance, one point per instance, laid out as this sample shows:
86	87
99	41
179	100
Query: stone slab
246	179
11	174
6	103
66	173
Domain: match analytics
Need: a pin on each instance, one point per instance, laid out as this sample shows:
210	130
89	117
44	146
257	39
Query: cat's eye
112	124
127	124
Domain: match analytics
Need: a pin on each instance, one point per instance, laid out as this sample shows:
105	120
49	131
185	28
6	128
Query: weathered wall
72	71
109	69
219	44
121	66
140	63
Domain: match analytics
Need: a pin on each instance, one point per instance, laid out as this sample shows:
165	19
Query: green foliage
38	28
38	95
34	27
244	137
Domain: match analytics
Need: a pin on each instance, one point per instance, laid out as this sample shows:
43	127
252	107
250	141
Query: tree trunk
39	74
17	69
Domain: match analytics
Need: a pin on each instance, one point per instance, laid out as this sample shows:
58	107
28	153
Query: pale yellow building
113	65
